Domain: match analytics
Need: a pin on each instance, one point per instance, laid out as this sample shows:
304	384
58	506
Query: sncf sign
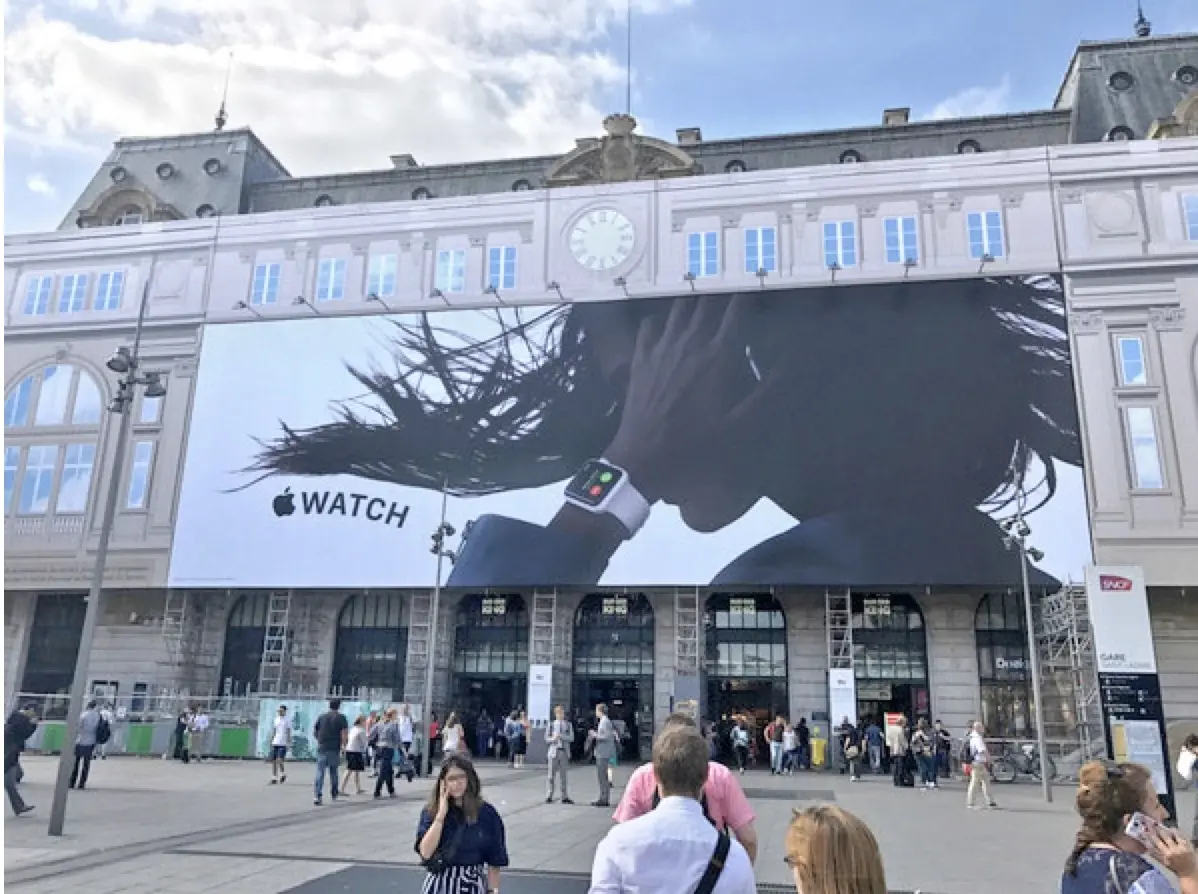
1113	583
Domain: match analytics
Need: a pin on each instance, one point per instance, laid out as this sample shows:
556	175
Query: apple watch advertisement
858	436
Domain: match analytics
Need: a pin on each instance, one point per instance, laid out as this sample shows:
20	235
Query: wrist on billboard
603	532
640	472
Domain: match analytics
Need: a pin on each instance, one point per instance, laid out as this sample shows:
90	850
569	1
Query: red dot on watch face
596	491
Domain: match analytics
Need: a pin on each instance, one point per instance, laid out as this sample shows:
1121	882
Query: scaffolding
274	643
420	628
544	627
174	626
838	621
686	619
1068	668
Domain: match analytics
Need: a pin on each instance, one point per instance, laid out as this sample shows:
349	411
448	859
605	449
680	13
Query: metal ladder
274	644
174	626
686	634
544	627
420	625
1066	646
838	621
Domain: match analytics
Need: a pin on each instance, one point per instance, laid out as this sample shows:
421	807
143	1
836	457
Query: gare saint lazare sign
866	436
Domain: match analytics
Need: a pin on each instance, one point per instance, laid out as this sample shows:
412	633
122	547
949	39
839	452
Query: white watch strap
627	504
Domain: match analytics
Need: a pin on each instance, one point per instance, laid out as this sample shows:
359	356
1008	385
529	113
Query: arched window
613	636
1004	666
745	656
491	636
129	216
372	644
245	634
52	426
890	655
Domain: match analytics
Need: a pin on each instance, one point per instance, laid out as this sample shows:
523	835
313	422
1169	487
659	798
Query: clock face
602	240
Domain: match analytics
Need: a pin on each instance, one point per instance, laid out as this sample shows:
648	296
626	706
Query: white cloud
974	101
328	86
38	185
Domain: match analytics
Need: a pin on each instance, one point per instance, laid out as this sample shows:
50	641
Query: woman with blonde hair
830	851
1106	859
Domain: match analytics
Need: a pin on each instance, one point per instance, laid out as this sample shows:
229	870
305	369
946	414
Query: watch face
602	239
593	483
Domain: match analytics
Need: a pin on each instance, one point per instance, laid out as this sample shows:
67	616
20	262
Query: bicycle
1008	766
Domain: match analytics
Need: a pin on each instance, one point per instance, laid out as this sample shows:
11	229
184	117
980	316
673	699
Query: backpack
966	752
702	801
103	731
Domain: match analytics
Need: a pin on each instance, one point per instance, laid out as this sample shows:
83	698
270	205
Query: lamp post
125	362
1017	534
443	530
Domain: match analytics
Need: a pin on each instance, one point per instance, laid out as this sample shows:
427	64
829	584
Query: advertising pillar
1132	711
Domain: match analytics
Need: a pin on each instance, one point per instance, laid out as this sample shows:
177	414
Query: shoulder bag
439	861
707	883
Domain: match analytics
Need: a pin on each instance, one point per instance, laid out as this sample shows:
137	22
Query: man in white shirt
199	725
672	850
280	741
979	757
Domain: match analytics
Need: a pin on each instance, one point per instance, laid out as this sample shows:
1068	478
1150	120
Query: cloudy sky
337	86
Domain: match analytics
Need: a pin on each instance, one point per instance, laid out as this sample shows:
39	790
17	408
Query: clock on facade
602	239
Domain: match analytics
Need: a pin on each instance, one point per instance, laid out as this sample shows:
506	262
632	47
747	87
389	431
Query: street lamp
1017	533
126	363
443	530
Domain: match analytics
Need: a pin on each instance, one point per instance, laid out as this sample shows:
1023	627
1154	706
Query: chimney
689	136
895	117
399	162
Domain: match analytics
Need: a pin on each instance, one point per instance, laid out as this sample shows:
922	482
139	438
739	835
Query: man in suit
605	743
560	736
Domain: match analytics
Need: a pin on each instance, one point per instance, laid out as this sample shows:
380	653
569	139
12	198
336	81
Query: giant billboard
865	436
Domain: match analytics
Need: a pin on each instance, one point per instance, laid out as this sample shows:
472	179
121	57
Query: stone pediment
127	194
620	156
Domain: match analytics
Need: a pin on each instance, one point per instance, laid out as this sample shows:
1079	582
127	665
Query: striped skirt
457	880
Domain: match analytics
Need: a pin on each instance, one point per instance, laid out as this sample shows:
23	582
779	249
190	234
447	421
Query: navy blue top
1098	868
481	844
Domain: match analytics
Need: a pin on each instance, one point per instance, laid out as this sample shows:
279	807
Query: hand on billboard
690	381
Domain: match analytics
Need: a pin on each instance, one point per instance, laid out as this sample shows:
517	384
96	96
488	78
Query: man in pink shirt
724	801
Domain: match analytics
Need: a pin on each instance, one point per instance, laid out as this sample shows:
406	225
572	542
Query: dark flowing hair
472	800
525	407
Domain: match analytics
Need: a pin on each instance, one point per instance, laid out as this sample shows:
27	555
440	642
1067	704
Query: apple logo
284	503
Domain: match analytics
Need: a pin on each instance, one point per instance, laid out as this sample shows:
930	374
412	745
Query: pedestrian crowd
684	824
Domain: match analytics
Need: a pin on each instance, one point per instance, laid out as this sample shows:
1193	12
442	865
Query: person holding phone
460	837
1185	769
1122	822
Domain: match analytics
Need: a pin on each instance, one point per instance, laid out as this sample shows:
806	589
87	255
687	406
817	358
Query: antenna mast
222	116
1143	26
628	59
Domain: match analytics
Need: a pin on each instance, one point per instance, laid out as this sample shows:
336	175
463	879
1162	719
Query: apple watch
604	488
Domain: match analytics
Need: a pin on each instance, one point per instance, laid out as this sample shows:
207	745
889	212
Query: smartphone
1141	828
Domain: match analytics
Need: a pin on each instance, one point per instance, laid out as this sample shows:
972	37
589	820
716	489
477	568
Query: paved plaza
152	825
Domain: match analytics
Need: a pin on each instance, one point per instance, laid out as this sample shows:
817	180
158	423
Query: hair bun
1093	775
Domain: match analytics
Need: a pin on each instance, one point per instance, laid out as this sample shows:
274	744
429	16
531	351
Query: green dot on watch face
605	478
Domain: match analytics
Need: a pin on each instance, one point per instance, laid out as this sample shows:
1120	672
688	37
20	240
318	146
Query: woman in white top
405	729
451	736
790	750
355	755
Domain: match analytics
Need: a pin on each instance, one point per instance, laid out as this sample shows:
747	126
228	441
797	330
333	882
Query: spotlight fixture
690	278
154	384
623	284
121	361
375	297
492	290
834	268
437	293
985	259
241	305
300	299
908	265
555	286
761	274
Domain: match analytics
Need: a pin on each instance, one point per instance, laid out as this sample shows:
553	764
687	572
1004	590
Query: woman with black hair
460	838
893	422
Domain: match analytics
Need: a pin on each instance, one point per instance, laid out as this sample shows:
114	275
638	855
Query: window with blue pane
75	483
41	461
761	250
902	240
265	288
16	405
139	475
501	266
840	243
1190	206
381	276
702	254
37	295
109	289
330	280
73	295
12	462
451	270
1133	370
985	234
